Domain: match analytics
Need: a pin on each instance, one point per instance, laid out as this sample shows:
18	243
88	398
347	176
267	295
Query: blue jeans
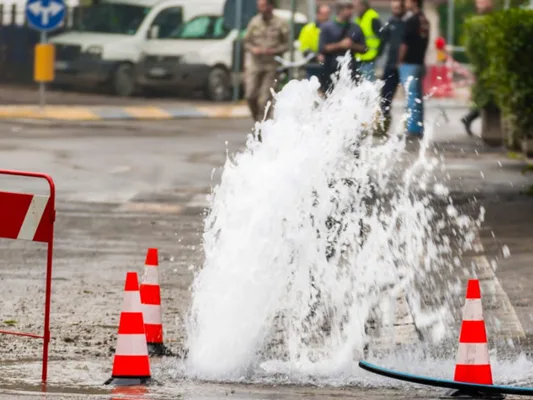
411	76
367	70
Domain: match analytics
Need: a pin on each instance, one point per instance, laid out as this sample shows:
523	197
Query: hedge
462	10
500	48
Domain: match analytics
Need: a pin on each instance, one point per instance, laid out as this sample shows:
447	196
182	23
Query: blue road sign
45	15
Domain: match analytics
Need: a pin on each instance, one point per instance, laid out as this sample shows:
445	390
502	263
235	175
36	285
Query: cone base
461	394
128	380
158	349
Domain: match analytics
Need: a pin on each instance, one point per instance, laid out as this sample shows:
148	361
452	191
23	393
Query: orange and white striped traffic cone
473	362
151	305
131	365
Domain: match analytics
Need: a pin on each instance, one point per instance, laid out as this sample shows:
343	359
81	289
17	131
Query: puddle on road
72	379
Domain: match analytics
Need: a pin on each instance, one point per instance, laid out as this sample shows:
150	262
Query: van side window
220	31
203	27
196	28
169	21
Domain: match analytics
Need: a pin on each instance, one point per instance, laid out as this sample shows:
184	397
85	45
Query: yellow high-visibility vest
309	38
372	39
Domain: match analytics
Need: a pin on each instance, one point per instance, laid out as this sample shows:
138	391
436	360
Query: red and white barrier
31	217
439	80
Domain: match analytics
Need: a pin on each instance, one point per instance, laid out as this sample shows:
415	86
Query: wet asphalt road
126	186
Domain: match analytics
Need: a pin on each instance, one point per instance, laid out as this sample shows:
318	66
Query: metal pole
451	22
237	62
41	84
311	9
292	38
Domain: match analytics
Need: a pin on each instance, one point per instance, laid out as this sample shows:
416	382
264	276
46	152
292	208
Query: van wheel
123	80
218	85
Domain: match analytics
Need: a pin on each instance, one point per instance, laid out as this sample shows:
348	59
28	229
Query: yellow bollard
441	55
44	62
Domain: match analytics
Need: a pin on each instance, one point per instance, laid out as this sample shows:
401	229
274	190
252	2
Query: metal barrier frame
48	218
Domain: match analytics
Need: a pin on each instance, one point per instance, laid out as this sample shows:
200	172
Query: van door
166	23
164	26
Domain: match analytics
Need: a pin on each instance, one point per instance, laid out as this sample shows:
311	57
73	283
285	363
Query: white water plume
310	233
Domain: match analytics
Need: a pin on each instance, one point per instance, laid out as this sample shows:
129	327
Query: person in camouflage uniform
266	36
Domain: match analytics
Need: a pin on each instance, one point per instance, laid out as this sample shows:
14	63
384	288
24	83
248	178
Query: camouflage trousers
258	85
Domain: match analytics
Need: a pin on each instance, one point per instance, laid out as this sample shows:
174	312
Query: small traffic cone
131	365
473	362
151	305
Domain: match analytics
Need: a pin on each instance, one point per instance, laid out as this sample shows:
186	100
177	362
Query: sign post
44	16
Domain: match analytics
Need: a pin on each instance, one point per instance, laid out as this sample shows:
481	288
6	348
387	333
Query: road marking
200	200
402	332
152	208
148	113
502	317
496	303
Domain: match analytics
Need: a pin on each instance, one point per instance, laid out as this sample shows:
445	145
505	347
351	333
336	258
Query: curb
83	113
107	113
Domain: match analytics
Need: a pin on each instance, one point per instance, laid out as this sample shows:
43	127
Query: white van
106	42
200	56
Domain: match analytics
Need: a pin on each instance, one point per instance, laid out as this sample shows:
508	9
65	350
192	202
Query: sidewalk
153	112
22	103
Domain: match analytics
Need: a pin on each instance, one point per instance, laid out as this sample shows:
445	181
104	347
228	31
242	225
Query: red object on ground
438	81
131	361
151	299
473	361
32	217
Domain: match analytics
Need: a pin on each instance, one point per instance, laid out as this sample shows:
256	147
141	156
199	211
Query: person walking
309	40
338	37
483	7
267	36
411	65
369	21
391	39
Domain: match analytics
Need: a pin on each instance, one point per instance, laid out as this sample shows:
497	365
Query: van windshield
117	18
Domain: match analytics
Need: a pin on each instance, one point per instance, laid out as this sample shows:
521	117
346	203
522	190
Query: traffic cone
151	305
473	362
131	365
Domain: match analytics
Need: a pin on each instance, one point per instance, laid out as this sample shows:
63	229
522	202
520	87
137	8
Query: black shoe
468	124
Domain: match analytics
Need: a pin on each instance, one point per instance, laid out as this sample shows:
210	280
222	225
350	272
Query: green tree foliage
463	9
477	33
511	65
500	48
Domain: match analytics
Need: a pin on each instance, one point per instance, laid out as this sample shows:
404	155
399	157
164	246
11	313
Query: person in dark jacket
392	39
336	39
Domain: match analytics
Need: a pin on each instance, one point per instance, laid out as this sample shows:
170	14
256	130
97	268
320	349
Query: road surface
124	186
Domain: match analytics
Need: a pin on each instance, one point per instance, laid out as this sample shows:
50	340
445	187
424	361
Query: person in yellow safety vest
369	21
309	38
